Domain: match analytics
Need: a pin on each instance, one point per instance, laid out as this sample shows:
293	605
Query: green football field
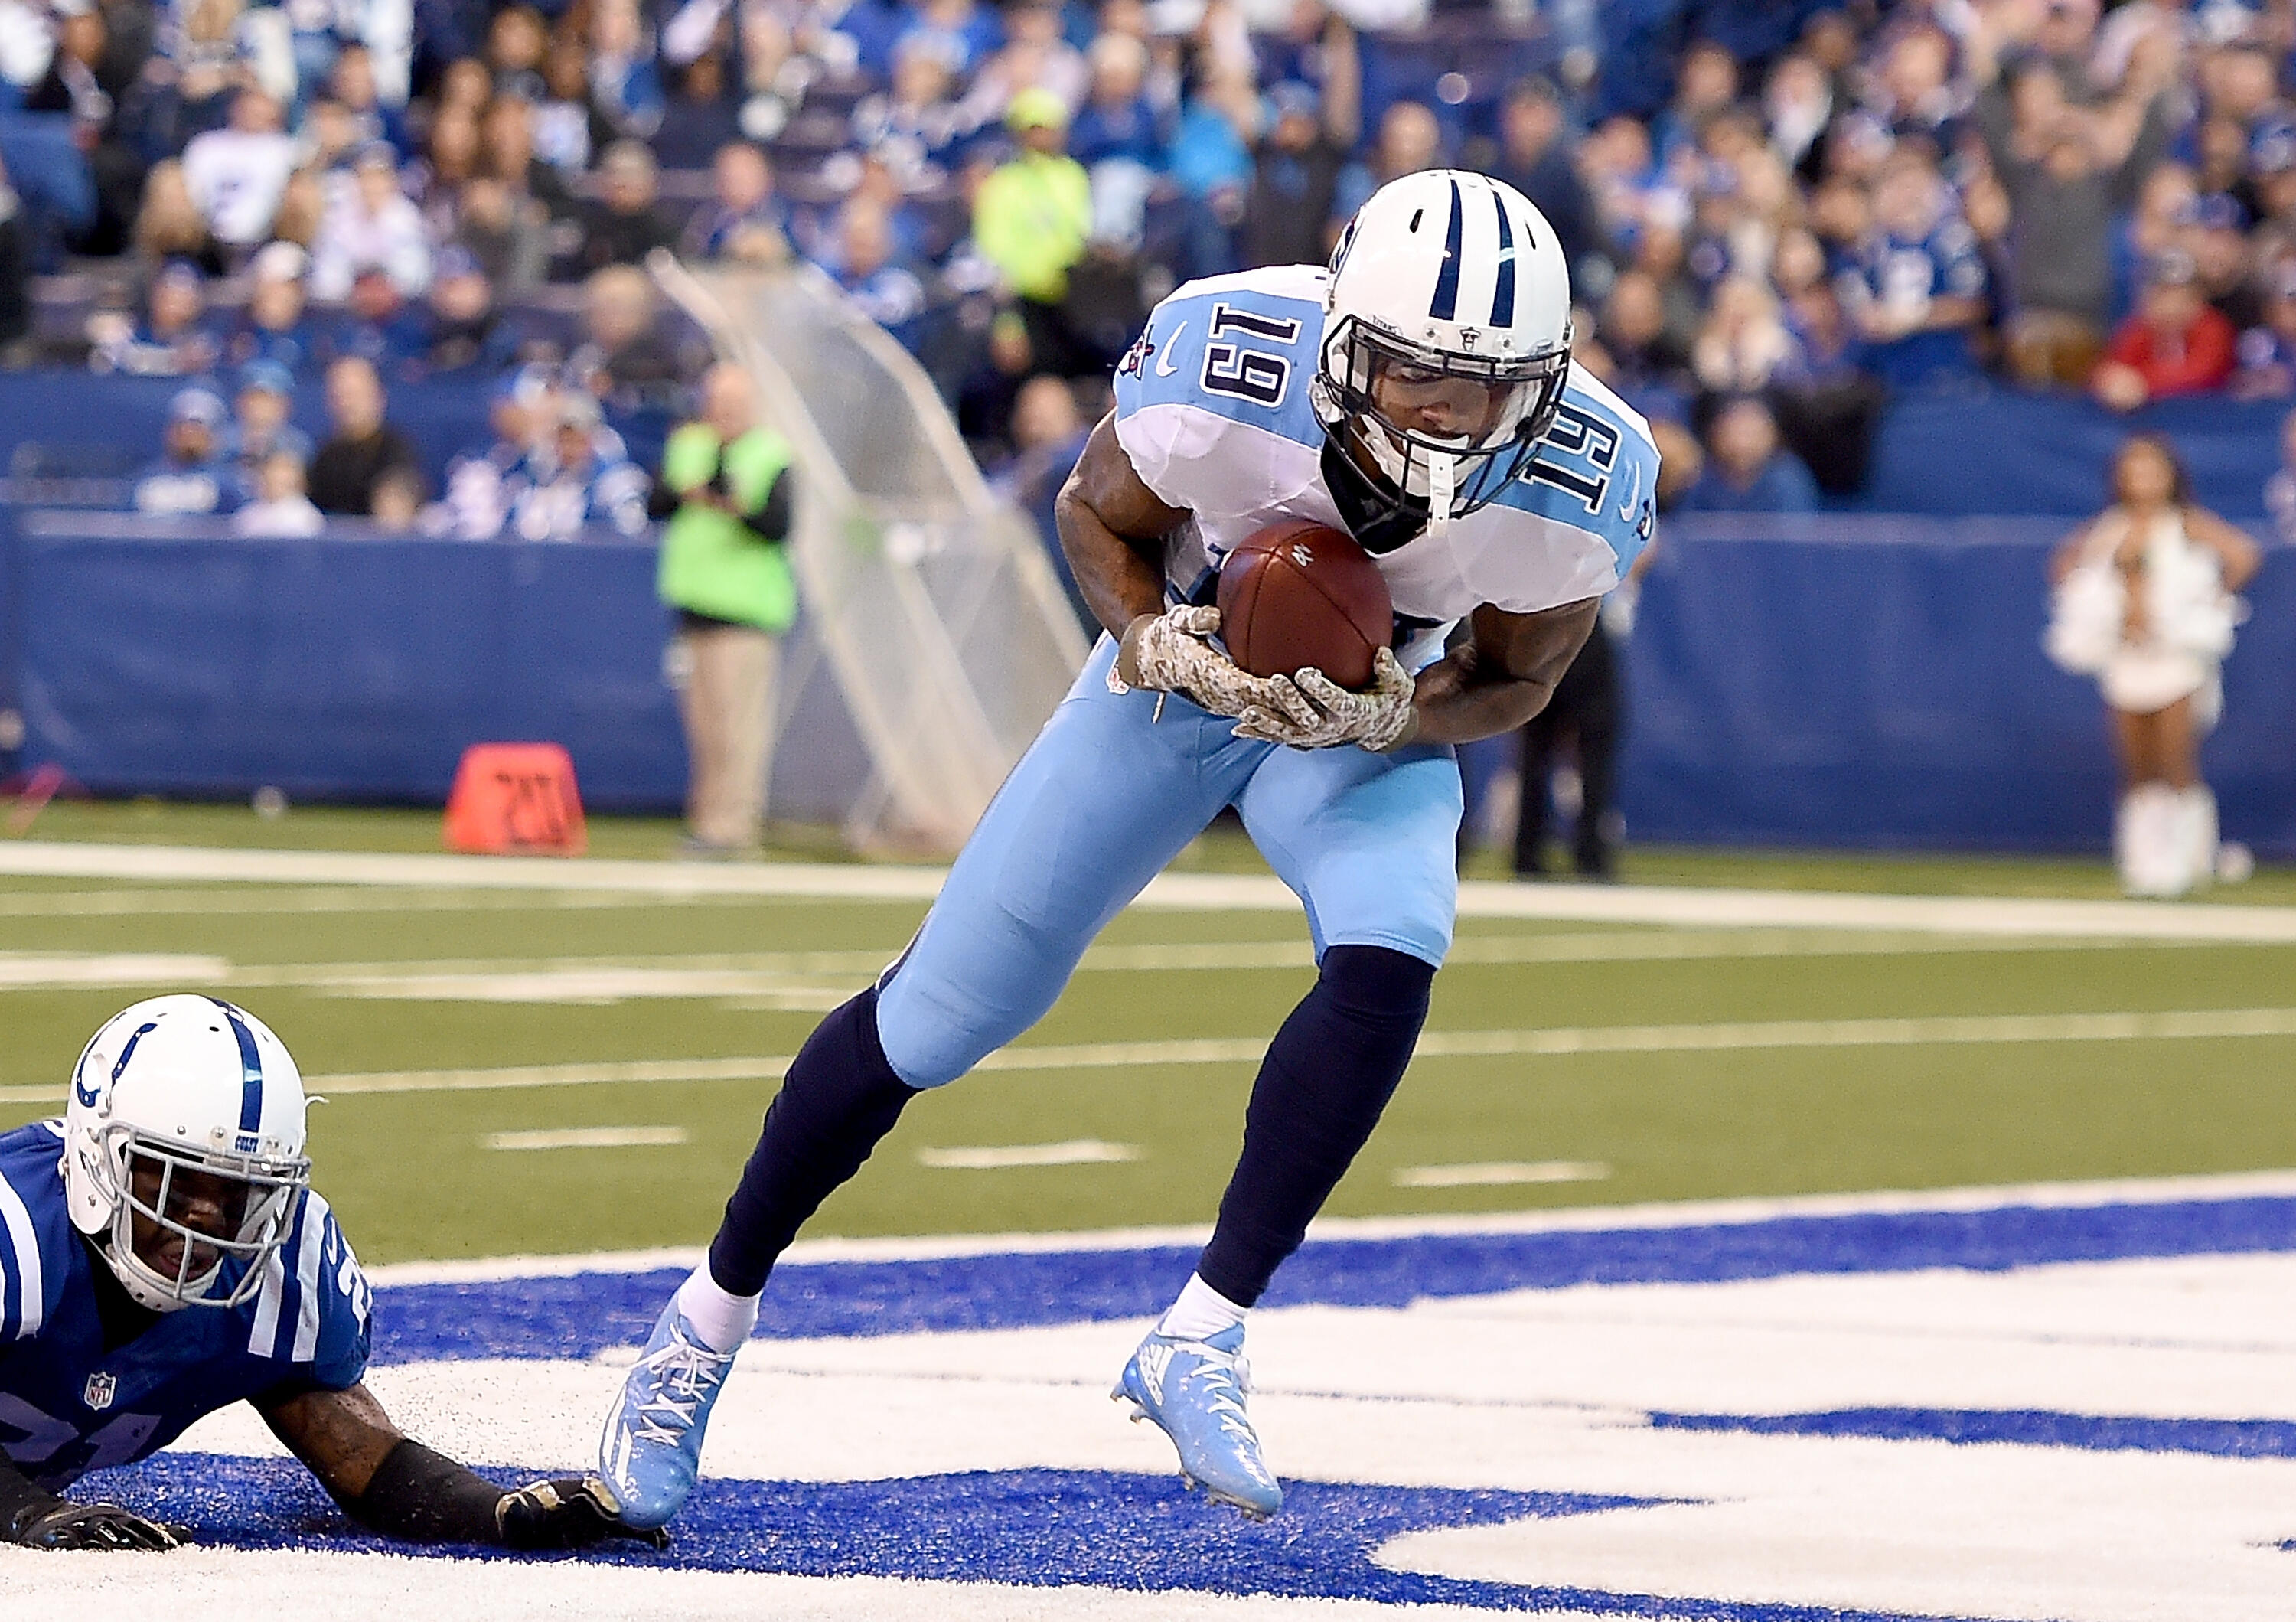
455	1030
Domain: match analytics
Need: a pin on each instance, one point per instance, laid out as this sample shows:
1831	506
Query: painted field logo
100	1390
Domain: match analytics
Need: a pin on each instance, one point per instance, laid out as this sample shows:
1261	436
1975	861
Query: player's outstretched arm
36	1518
395	1486
1501	675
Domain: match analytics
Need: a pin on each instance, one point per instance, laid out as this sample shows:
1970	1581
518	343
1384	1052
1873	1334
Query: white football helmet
173	1087
1446	345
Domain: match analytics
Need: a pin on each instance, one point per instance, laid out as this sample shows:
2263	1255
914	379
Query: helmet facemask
182	1215
1427	423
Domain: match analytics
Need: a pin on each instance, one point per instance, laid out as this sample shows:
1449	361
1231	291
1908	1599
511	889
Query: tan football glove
1169	652
1377	719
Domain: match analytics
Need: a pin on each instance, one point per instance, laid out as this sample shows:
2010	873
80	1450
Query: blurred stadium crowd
1780	214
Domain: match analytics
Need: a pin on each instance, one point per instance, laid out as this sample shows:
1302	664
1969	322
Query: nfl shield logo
100	1388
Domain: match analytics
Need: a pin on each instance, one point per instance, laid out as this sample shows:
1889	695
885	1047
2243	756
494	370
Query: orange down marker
516	799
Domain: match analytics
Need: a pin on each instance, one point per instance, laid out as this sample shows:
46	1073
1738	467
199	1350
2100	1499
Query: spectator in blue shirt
864	267
1746	469
458	328
1294	178
746	221
1117	121
169	339
1707	83
867	28
1537	158
964	33
1118	139
1917	290
277	326
261	423
188	480
625	84
916	124
352	83
581	482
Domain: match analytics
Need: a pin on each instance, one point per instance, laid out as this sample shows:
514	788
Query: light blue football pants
1106	796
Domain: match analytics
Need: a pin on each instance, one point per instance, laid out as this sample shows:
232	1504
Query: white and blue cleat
1194	1391
652	1448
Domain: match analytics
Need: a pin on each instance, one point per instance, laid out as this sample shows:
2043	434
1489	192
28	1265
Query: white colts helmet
1449	305
174	1086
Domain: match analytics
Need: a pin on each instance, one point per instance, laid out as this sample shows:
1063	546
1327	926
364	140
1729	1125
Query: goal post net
933	638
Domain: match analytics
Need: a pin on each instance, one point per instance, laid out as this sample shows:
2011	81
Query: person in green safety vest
1032	219
725	572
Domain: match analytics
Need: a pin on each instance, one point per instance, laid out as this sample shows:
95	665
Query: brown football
1300	594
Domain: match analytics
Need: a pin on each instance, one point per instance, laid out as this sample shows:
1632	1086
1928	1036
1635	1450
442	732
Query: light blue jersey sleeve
1596	471
1212	402
313	1311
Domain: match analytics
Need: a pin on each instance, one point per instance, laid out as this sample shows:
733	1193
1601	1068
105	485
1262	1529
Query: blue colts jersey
68	1405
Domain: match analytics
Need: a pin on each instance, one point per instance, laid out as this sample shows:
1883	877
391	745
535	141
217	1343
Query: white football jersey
1212	409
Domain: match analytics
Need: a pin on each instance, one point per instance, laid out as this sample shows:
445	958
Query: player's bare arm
1112	527
394	1485
1504	675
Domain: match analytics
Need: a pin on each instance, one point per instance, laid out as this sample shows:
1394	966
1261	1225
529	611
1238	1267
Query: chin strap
1440	470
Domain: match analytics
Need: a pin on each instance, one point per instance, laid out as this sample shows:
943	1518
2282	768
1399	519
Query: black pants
1588	708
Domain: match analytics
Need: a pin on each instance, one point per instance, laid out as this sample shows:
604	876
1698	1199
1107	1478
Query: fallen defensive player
163	1255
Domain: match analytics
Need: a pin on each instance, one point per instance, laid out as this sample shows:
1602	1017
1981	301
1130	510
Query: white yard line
1547	1042
1499	1174
222	900
589	1137
1190	892
1005	1156
42	971
768	975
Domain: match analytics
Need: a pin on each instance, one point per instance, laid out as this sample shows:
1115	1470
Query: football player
163	1255
1421	395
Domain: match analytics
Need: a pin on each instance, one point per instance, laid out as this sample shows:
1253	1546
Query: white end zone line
1186	892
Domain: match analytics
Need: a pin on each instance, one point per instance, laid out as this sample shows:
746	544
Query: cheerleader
2144	602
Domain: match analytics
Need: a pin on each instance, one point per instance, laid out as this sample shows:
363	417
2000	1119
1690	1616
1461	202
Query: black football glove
66	1525
571	1513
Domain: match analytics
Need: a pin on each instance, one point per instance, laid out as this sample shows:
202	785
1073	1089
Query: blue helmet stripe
250	1068
1503	299
1446	307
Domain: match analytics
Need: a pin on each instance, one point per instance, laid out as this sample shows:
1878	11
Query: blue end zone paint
2018	1427
1035	1528
581	1315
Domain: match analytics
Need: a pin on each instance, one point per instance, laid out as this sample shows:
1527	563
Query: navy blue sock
1327	1075
840	1097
